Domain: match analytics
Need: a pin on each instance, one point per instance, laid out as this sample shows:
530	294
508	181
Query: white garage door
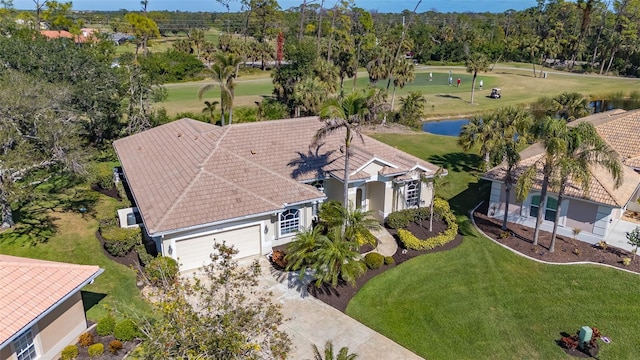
194	253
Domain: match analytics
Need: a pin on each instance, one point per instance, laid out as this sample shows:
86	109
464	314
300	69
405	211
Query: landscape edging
473	221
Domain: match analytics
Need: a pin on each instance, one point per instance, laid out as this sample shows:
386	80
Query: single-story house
120	38
41	308
593	212
85	36
255	185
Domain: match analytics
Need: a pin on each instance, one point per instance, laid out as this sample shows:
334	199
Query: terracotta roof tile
29	287
189	173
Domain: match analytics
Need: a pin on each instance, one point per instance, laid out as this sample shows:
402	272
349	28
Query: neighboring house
41	309
85	35
255	185
594	212
120	38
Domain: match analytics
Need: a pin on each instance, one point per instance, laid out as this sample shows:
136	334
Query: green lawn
481	301
75	242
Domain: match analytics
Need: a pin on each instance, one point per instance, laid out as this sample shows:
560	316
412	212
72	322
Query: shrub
101	174
626	261
423	213
401	219
69	352
442	207
125	330
86	339
162	268
96	350
603	245
115	346
277	256
504	235
388	260
366	237
374	260
105	326
119	241
143	255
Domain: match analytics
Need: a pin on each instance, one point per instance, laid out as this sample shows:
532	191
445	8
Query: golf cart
495	93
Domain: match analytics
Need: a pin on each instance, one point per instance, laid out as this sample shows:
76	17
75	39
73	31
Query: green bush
105	326
162	268
69	352
423	213
96	350
374	260
143	255
442	208
388	260
101	174
119	241
401	219
125	330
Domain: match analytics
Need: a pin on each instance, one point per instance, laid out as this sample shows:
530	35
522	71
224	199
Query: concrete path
311	321
387	245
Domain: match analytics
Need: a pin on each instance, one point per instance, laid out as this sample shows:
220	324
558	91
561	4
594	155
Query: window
412	194
289	221
550	212
25	349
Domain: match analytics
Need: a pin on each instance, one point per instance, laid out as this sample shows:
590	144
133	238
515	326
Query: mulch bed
112	193
566	250
130	260
340	296
127	347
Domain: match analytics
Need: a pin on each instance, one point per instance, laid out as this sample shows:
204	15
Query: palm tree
402	74
359	222
343	354
435	181
585	149
210	108
336	258
571	106
197	38
554	137
345	114
476	62
479	131
412	108
301	251
327	73
309	95
512	125
224	70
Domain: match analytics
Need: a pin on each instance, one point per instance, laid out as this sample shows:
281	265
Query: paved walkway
387	245
311	321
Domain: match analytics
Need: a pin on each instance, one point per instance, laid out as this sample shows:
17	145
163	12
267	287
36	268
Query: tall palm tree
327	73
554	137
479	132
197	39
210	108
476	62
571	106
343	354
412	108
223	71
403	73
336	258
344	115
435	181
585	149
309	95
512	124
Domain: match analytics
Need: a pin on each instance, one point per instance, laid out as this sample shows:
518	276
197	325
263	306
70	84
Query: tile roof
189	173
619	129
31	287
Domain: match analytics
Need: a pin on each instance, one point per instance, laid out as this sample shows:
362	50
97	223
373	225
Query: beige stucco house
255	185
41	309
594	212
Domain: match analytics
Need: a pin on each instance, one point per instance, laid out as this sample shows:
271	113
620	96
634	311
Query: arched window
550	211
412	194
289	221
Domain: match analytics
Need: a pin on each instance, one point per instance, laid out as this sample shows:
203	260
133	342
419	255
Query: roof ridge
194	179
288	179
241	188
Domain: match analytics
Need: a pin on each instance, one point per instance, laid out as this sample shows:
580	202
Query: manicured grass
75	242
481	301
517	83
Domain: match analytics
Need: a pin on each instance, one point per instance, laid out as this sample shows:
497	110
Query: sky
379	5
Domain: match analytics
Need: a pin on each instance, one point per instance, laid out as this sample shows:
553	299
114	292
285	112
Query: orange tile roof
619	129
189	173
31	287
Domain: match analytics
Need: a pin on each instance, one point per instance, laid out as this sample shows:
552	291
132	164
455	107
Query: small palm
343	354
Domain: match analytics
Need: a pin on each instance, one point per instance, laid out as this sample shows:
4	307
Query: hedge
374	260
119	241
441	207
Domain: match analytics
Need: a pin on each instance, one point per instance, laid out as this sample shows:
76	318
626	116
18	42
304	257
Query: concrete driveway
311	321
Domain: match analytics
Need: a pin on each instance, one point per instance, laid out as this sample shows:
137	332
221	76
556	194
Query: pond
444	127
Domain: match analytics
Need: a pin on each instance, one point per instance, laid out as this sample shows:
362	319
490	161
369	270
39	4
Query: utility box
585	335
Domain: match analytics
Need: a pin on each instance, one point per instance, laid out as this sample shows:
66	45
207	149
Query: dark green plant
401	219
125	330
388	260
105	326
374	260
343	354
162	269
119	241
143	255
